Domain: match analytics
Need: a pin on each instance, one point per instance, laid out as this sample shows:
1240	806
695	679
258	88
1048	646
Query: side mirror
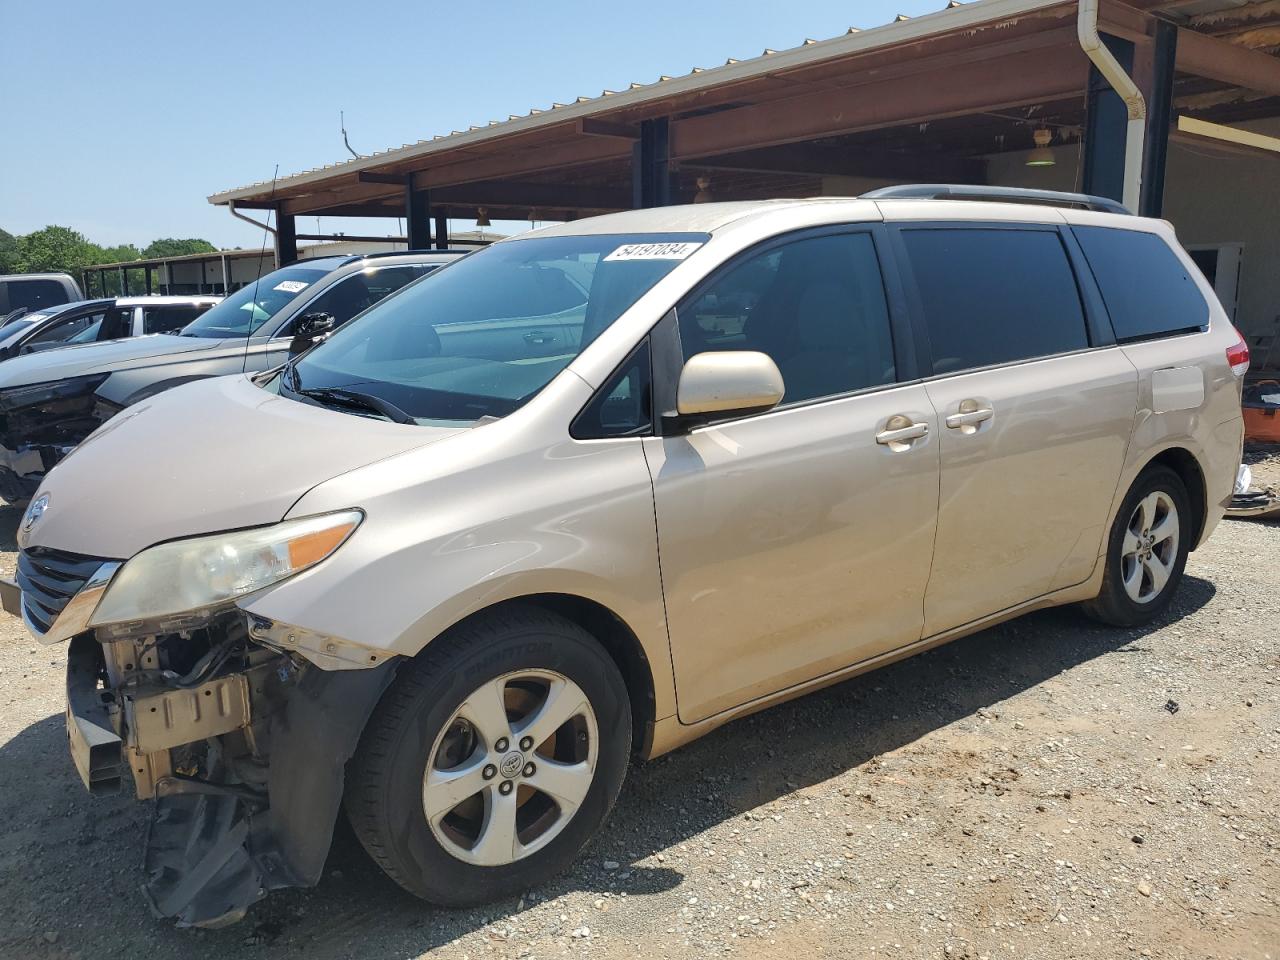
732	381
309	329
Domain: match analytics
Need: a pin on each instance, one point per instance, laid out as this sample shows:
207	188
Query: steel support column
442	231
417	214
124	281
651	165
286	238
1159	118
1106	120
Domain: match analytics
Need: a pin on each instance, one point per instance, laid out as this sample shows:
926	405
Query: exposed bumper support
210	855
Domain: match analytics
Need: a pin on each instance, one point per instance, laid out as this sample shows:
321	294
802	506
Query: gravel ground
1045	789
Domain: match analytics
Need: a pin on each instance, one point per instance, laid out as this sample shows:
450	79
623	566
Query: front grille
49	579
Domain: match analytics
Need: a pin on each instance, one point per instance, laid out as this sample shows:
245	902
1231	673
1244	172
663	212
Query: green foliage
63	250
53	249
169	247
8	252
119	254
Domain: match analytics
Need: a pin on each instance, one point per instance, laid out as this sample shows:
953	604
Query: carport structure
937	98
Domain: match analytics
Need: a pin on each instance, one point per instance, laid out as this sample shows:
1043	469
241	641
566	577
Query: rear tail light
1238	356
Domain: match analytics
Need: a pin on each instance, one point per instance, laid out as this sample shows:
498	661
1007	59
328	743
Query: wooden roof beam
848	161
1225	62
1016	80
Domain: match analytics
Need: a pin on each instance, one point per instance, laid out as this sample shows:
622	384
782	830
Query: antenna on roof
342	122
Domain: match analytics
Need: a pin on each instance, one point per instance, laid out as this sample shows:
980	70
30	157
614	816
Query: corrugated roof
955	16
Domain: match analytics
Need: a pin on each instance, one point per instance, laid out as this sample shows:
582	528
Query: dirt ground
1046	789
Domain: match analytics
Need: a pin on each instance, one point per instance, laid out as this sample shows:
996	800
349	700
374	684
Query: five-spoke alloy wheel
1150	547
511	767
492	759
1146	550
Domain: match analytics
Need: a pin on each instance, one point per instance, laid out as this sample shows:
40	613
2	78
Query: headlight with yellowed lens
202	572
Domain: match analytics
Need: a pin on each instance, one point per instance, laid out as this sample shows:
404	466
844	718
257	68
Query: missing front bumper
246	767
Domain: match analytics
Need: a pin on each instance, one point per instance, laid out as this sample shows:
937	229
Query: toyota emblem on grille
35	512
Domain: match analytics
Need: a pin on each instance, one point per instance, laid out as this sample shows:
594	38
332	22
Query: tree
8	252
54	248
120	254
169	247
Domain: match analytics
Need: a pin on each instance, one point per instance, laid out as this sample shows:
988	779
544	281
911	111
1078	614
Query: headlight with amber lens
203	572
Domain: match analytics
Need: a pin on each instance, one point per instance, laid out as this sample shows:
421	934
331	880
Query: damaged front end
41	423
239	738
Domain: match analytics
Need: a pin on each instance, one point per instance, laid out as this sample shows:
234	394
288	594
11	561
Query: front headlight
38	393
204	572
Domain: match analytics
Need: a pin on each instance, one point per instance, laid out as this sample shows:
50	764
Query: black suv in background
51	401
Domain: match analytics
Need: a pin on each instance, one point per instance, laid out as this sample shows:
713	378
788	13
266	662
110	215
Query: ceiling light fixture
1042	155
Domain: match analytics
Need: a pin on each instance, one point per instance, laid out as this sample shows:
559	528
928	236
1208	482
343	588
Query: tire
436	720
1135	557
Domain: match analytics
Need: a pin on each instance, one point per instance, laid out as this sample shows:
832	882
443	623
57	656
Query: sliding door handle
900	431
971	414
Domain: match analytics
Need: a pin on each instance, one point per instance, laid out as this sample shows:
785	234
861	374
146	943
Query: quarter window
994	296
816	306
622	407
1147	290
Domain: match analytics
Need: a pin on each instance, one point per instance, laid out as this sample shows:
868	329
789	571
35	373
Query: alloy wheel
1149	550
511	767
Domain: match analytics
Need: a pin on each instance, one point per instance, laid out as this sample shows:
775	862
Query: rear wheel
1146	551
493	758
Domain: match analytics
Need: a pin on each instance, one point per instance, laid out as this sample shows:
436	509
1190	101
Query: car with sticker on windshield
593	491
50	400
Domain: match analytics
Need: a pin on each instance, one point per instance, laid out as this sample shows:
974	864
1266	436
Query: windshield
482	336
254	304
15	328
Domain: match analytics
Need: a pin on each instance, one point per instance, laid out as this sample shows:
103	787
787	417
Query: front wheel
492	759
1146	551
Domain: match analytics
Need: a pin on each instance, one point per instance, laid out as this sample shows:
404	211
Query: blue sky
119	120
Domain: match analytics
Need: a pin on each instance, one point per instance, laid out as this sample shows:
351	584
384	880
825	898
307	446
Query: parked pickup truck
35	291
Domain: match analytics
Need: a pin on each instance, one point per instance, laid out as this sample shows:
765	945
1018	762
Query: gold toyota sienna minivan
593	491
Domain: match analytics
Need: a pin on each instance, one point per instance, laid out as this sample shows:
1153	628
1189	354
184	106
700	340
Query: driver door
797	542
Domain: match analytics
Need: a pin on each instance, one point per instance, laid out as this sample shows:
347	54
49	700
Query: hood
61	362
213	455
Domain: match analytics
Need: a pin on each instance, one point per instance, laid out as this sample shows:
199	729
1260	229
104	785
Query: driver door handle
895	435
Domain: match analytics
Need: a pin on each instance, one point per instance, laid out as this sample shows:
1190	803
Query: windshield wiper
352	398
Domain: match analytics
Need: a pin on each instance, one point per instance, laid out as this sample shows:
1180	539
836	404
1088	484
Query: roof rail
946	191
404	253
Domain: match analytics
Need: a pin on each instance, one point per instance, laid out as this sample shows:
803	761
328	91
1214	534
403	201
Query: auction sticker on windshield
652	251
291	286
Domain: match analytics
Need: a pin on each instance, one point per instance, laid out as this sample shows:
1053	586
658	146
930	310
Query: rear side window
34	294
995	296
1147	290
169	318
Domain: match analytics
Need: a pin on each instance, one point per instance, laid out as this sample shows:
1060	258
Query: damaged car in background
413	573
50	400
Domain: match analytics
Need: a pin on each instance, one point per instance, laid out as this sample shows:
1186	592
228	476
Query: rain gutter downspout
1136	106
231	205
